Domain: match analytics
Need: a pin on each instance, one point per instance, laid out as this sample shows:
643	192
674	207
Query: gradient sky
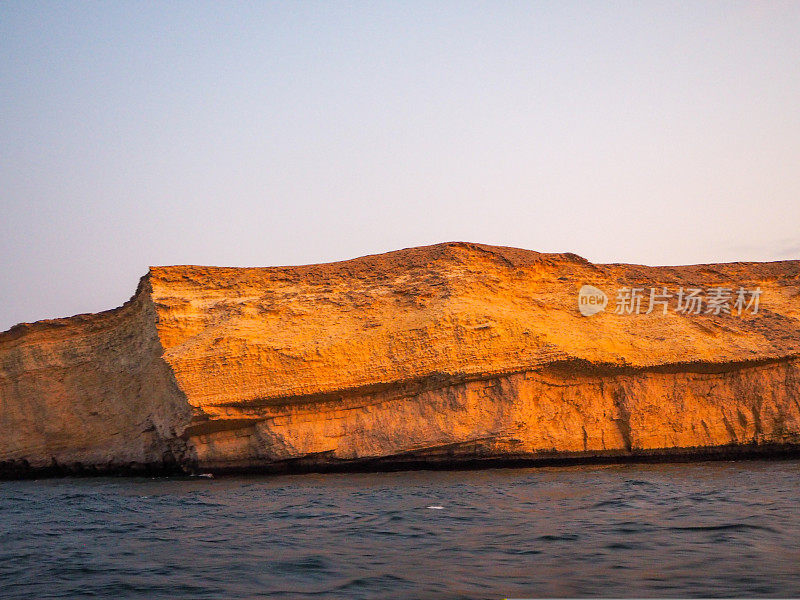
256	134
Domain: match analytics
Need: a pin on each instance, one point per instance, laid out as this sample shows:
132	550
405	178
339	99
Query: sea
706	529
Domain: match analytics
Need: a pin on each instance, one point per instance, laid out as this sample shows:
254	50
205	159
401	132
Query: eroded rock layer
435	355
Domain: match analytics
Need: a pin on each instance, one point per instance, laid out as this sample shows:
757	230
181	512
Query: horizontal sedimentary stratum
446	355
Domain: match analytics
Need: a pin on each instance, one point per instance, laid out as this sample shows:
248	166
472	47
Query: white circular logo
591	300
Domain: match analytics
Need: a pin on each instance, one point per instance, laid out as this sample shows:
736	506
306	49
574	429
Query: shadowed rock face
433	355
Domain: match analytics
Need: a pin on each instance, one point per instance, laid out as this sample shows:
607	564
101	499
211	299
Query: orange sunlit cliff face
432	355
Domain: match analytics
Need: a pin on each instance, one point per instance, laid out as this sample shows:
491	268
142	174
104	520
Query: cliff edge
439	355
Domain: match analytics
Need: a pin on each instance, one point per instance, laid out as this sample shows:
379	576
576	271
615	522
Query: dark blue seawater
703	529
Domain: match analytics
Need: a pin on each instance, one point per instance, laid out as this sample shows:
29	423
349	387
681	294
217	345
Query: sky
280	133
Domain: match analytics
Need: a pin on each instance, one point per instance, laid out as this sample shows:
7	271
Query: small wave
621	546
610	503
639	482
565	537
378	582
725	527
522	551
306	564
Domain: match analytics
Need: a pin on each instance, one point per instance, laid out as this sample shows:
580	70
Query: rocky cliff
442	355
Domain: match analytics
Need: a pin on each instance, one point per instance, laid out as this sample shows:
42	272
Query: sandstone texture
436	356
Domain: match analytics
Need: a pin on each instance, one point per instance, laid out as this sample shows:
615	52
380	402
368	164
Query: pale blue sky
239	134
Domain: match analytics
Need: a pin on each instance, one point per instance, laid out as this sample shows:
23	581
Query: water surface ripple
704	529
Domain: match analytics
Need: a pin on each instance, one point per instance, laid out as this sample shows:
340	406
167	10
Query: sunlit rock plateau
441	356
